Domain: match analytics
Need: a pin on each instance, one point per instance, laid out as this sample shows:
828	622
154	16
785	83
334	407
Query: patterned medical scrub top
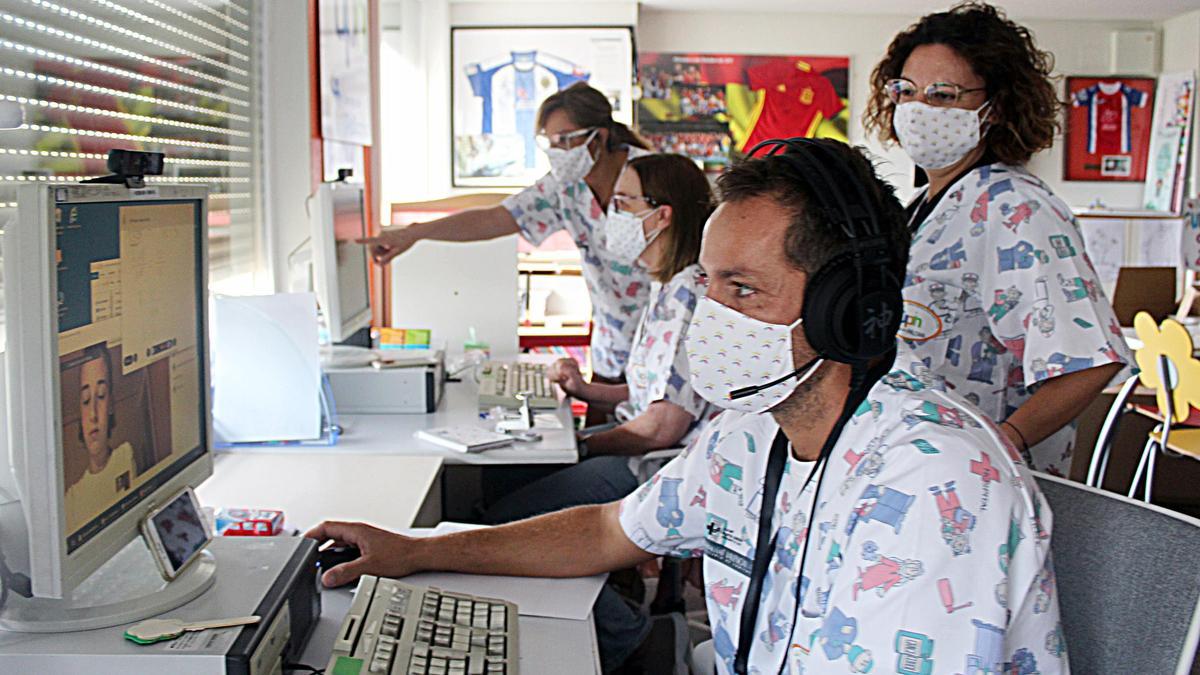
658	364
618	291
929	544
1001	295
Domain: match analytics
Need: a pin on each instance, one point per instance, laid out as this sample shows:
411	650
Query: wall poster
1169	142
1108	128
501	75
711	106
345	70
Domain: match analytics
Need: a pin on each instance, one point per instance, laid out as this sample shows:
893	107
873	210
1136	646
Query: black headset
852	304
852	310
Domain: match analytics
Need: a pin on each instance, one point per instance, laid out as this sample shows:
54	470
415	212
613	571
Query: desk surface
393	434
385	490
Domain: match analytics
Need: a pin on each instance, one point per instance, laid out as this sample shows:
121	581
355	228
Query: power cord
302	668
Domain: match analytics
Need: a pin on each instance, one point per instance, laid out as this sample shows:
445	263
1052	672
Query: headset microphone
810	368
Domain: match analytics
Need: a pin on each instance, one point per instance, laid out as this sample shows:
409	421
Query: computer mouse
334	555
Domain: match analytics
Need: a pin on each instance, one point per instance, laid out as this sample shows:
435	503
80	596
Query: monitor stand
125	589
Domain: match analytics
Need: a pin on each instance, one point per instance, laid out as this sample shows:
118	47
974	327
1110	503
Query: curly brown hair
1024	111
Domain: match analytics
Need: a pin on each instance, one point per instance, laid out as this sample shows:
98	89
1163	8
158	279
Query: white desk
393	434
385	490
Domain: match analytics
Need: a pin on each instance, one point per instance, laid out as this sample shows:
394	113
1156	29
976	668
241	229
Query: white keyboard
501	381
399	629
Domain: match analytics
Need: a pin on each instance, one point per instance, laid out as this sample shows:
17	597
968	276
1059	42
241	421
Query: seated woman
655	220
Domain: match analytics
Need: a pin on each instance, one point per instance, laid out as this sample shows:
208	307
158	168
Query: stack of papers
464	438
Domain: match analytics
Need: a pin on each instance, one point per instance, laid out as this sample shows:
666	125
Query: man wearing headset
898	525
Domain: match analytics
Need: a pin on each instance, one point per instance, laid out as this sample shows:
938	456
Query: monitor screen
131	354
350	223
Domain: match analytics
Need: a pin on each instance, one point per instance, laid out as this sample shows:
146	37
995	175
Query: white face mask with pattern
739	363
934	137
570	166
623	234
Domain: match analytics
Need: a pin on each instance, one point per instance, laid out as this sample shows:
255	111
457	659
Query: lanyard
764	547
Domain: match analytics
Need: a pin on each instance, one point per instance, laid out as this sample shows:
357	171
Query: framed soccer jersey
1108	128
501	75
709	106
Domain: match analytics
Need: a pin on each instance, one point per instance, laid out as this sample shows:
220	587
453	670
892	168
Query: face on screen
94	384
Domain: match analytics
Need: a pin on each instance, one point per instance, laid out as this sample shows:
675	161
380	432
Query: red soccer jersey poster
707	106
1108	128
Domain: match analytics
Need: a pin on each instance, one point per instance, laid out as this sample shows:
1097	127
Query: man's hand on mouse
384	554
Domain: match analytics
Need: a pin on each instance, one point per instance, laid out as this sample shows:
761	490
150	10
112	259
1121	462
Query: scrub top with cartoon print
928	549
658	365
1000	296
618	291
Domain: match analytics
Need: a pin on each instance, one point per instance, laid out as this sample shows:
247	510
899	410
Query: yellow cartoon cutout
1173	342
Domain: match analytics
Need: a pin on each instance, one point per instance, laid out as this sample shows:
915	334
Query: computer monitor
342	269
108	382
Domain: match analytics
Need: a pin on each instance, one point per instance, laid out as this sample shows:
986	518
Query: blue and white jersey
511	89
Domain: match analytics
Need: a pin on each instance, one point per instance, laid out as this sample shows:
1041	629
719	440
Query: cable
302	668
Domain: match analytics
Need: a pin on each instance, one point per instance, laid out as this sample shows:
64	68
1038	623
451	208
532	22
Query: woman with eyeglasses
587	149
655	221
1001	301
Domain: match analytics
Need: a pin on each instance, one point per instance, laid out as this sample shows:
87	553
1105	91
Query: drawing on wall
500	78
345	71
1104	241
1108	128
711	106
1169	142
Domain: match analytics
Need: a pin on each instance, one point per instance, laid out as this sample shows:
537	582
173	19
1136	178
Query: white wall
1181	51
286	145
1080	47
416	94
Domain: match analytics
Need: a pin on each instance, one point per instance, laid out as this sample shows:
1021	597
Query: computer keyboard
400	629
501	381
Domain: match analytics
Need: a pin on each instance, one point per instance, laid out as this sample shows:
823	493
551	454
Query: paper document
534	596
266	369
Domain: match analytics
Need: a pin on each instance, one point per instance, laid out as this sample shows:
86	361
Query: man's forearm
575	542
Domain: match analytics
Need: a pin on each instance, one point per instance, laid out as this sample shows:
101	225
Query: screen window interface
348	225
130	354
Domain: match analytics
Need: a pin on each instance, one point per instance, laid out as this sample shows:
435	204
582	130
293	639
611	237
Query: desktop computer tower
275	578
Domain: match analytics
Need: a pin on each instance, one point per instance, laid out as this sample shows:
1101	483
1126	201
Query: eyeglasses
563	140
941	94
622	202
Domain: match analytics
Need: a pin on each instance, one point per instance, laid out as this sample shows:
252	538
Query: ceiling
1097	10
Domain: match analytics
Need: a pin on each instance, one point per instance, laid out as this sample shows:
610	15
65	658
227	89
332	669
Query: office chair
1170	370
1128	585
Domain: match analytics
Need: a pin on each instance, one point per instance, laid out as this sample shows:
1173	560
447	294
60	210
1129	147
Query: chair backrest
1150	289
1168	365
1128	581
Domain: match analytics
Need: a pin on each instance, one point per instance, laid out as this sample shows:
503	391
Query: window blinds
173	76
